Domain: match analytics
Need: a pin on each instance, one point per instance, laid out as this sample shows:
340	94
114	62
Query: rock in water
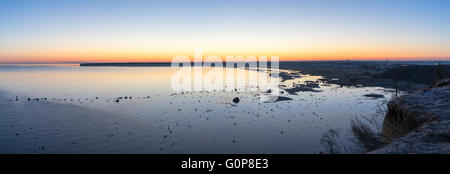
236	100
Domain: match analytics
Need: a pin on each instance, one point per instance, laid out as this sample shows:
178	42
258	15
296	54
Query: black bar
276	163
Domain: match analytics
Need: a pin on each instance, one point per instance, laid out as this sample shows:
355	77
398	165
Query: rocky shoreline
404	76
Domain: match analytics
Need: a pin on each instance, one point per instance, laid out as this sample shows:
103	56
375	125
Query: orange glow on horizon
139	57
165	53
166	59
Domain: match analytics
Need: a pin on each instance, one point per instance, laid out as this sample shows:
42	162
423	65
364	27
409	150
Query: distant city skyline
46	31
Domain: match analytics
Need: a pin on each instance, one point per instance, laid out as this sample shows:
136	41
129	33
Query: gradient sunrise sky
133	30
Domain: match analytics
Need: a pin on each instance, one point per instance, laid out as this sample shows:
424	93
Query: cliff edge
418	122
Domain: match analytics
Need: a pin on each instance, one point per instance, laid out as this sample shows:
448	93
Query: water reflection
150	117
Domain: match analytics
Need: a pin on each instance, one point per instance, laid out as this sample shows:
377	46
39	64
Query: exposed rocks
236	100
375	96
281	98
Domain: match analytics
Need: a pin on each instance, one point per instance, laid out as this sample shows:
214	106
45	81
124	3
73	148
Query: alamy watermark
237	73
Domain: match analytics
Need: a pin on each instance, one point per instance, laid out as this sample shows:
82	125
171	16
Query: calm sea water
80	115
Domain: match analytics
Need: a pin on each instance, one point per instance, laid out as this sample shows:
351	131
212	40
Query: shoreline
49	111
343	73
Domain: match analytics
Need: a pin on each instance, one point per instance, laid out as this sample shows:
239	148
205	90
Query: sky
145	30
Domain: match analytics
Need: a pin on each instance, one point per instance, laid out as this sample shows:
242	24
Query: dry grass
365	134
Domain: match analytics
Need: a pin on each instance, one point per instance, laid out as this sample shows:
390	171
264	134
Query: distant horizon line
334	60
280	59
